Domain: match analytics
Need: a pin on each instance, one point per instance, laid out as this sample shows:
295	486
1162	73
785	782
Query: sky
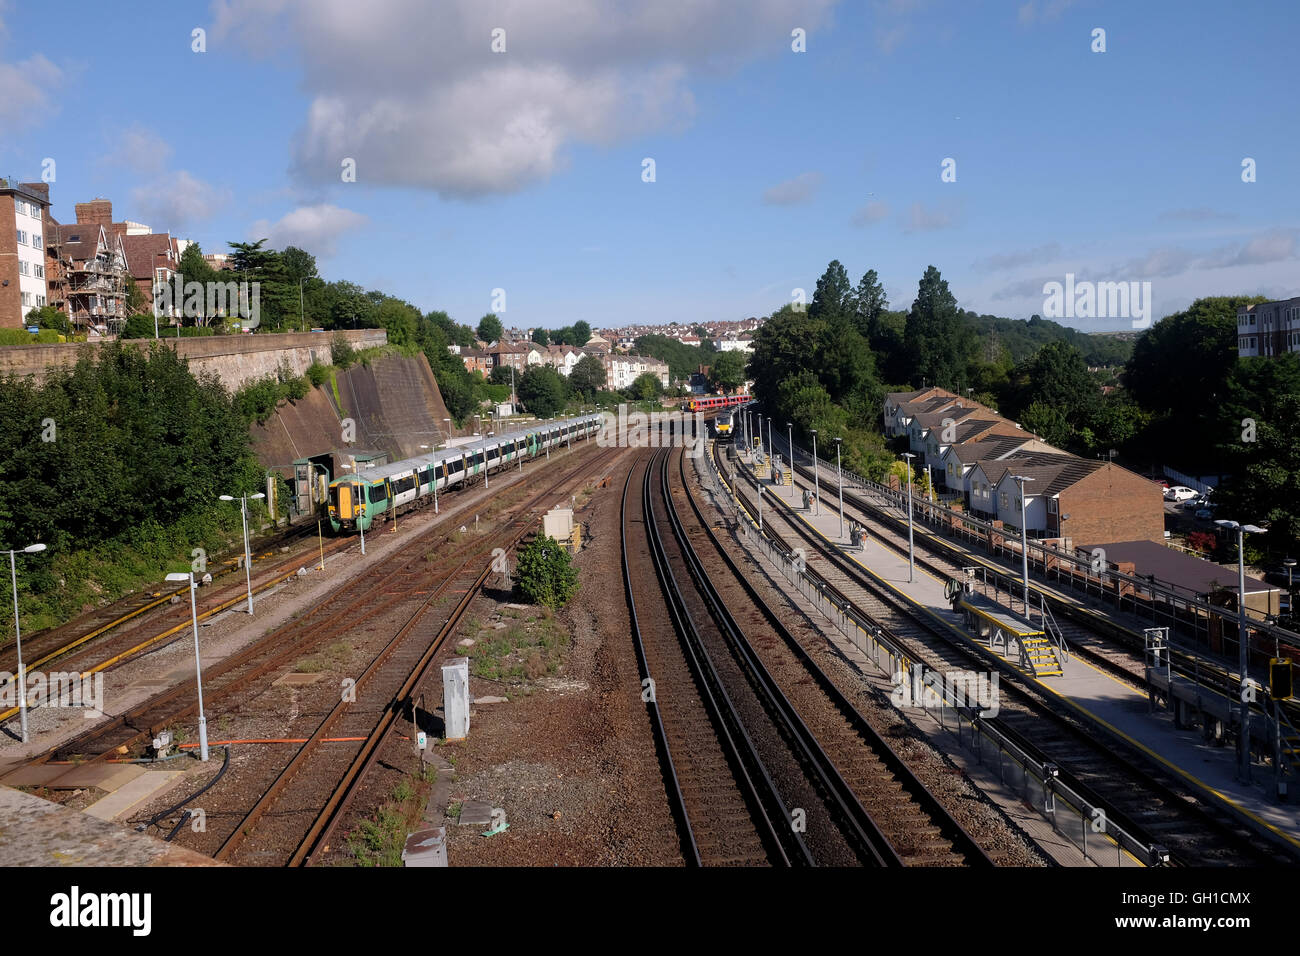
525	168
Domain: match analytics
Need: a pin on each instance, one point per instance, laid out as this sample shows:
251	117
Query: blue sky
522	170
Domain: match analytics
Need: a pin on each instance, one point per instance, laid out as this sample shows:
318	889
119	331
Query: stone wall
235	359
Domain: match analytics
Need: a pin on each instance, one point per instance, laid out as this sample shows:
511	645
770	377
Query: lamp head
229	498
33	548
258	495
178	576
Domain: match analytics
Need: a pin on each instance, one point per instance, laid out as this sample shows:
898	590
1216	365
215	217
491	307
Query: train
723	424
357	501
705	403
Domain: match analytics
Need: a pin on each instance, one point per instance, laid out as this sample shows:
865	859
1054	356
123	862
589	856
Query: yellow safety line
5	715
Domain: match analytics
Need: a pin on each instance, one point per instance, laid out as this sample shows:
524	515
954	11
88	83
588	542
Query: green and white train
358	501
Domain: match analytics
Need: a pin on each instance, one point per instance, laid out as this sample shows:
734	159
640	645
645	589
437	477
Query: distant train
723	424
359	500
709	402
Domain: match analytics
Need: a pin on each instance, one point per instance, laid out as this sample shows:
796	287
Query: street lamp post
817	477
18	637
790	449
1243	655
911	552
1024	538
1289	564
198	665
839	480
248	558
302	319
760	509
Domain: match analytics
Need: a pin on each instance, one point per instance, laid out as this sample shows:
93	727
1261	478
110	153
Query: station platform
1121	708
37	832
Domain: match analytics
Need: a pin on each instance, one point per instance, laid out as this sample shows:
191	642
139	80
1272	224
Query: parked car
1179	493
1204	514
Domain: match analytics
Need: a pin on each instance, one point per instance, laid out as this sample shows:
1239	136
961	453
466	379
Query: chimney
97	212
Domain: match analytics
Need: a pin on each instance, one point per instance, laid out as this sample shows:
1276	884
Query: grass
380	840
332	656
520	653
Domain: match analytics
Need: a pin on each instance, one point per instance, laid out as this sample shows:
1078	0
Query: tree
645	387
490	328
541	336
48	317
138	326
1048	422
870	303
833	294
298	264
727	373
587	377
1057	377
542	390
581	333
400	319
938	343
546	573
502	375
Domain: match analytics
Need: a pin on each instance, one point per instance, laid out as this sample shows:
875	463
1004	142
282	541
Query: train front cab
348	506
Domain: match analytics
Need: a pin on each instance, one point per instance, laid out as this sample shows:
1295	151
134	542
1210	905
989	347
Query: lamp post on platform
911	551
248	557
18	637
198	666
1243	656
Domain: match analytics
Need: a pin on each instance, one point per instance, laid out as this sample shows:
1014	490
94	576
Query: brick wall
97	212
11	299
1113	504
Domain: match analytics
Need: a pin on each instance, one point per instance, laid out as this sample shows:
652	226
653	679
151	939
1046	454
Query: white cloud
139	149
922	218
873	211
177	199
799	189
28	87
316	229
416	96
1022	257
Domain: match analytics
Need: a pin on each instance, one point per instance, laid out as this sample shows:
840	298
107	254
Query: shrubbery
546	573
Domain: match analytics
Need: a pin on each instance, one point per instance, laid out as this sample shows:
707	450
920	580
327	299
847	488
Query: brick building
23	234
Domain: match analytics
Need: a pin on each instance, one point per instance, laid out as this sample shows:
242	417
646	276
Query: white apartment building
1269	328
22	272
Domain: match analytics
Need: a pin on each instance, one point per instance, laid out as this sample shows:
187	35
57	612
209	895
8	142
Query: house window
27	298
1051	506
1002	499
40	301
36	240
22	237
38	270
23	269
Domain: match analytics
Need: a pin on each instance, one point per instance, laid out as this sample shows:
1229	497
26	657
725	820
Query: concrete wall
394	402
235	359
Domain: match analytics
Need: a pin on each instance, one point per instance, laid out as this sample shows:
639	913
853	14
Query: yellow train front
723	425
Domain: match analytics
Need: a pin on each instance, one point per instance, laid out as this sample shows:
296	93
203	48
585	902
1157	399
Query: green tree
48	317
546	573
727	373
870	303
937	341
138	326
833	295
541	336
135	297
581	333
587	376
645	387
1057	377
542	390
400	319
490	328
1049	423
785	345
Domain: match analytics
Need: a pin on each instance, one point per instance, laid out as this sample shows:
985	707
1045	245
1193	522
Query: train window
426	476
377	494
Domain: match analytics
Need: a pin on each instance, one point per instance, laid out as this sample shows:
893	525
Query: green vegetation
490	328
542	390
380	840
727	373
546	574
116	464
520	653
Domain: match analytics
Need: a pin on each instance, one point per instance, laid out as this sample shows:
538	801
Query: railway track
1141	797
300	807
914	827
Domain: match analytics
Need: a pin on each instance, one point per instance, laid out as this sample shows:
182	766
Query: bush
342	353
318	374
546	573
